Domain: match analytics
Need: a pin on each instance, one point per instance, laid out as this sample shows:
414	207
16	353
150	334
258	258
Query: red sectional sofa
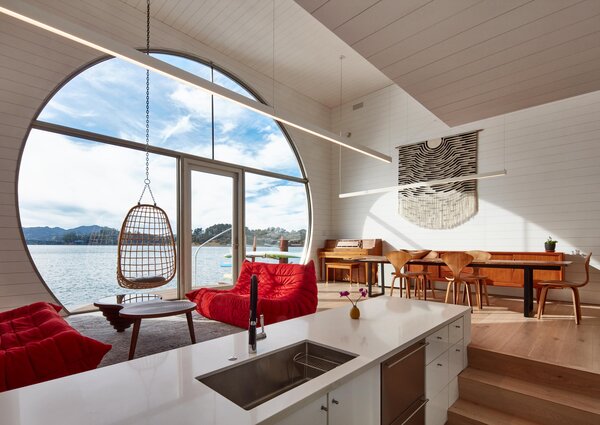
285	291
37	344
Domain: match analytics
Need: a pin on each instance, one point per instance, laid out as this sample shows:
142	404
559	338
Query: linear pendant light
427	183
42	19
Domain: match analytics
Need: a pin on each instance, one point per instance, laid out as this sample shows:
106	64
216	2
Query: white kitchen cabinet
456	359
354	402
441	385
314	413
436	375
436	411
437	343
357	401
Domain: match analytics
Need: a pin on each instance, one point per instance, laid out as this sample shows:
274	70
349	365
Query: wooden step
531	401
555	376
467	413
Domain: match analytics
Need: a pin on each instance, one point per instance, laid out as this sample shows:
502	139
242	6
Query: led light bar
427	183
32	15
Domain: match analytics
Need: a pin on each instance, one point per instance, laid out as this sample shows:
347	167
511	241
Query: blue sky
94	183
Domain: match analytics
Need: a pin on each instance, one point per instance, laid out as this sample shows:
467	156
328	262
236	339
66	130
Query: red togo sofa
285	291
36	345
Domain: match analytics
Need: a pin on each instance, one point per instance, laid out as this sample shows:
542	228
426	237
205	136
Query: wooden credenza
506	277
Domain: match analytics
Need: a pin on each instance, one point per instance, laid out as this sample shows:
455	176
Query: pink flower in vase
362	293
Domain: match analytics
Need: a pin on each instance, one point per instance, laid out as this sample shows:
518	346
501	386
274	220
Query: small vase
354	312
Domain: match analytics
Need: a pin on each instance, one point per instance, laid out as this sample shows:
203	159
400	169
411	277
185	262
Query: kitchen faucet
253	303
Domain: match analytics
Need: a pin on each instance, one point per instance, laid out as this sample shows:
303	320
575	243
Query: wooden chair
563	284
398	259
456	262
423	275
431	255
477	278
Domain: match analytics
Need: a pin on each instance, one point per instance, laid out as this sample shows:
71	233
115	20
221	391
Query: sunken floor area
500	327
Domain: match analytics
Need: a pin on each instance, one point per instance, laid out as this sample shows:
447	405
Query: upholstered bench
37	344
341	265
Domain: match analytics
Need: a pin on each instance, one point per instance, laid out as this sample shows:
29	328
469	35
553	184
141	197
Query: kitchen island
163	389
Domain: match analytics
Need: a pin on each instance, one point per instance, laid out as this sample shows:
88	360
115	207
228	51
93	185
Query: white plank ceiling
274	37
466	60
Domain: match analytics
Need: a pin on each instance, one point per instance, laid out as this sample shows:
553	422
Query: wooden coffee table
111	305
151	310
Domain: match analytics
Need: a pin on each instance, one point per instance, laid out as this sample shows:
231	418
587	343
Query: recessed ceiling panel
465	60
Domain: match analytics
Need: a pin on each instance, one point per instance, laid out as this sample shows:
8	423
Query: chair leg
407	280
468	289
326	275
478	294
392	287
448	292
542	302
431	286
576	305
487	300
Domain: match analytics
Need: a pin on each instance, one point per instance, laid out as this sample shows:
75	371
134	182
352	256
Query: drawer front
436	375
456	331
453	392
402	382
436	412
437	344
456	359
415	415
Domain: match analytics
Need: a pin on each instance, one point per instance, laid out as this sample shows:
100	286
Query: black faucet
253	303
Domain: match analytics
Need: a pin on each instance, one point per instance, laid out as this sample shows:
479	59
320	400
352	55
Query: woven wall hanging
442	206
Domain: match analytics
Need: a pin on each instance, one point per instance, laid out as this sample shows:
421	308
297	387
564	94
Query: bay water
81	274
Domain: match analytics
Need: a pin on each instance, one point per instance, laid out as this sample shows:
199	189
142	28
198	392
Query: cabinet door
357	401
455	359
436	411
436	375
313	413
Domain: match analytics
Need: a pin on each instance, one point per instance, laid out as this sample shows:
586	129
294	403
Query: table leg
528	292
382	279
134	337
370	279
188	315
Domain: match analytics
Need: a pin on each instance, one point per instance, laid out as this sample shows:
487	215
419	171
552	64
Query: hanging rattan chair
146	250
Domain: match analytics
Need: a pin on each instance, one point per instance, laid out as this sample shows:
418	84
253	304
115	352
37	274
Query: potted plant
550	244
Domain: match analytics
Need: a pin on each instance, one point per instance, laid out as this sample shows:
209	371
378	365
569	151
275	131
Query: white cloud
182	126
69	184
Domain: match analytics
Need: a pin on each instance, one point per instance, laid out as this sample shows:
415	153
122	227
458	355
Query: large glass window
75	192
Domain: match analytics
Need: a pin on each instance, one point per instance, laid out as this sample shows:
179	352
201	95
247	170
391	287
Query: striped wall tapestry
442	206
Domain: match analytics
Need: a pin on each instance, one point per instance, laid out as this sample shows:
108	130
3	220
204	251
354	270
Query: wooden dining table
528	266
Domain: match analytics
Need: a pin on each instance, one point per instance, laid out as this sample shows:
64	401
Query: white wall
33	63
551	153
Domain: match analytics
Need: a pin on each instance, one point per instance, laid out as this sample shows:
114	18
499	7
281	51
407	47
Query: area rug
156	335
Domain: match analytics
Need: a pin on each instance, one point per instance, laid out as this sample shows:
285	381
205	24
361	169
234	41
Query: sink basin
256	381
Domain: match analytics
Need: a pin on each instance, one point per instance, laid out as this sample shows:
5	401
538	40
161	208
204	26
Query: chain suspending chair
146	250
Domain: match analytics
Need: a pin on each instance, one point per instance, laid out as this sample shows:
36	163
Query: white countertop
162	389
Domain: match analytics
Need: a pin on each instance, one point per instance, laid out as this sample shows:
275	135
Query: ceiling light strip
424	184
57	25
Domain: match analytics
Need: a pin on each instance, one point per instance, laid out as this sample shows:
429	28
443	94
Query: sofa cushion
285	291
37	344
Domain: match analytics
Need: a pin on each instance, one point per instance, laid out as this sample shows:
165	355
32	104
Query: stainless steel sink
265	377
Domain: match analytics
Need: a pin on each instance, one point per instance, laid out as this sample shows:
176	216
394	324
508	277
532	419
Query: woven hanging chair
146	250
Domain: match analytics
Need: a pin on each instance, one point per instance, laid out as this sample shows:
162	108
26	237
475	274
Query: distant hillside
82	235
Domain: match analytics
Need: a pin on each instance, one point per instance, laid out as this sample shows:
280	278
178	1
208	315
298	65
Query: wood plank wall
551	152
33	63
